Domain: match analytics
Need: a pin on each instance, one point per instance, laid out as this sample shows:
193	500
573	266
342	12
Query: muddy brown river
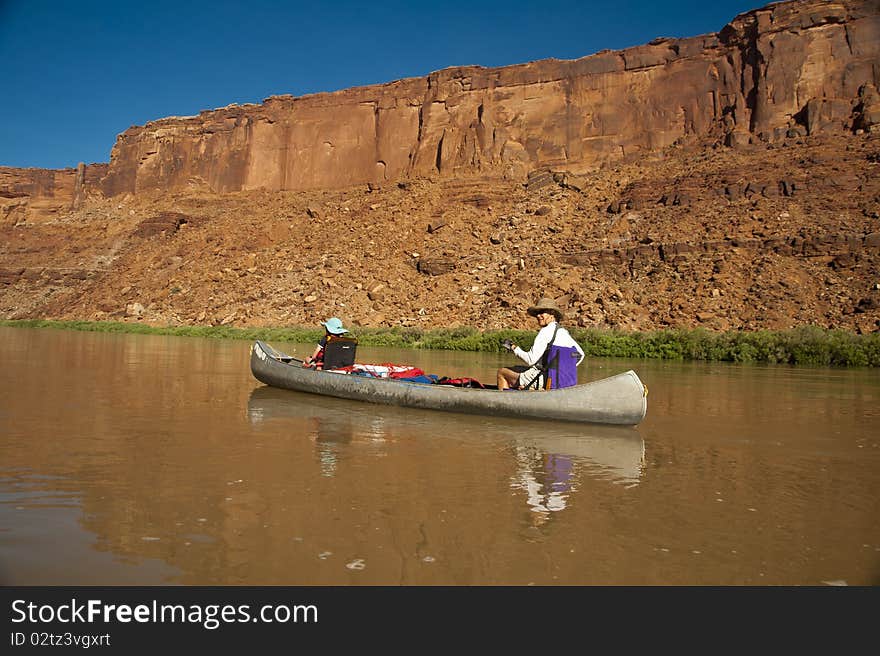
147	460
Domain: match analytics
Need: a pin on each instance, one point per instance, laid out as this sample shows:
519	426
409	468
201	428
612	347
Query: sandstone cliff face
34	194
809	65
804	67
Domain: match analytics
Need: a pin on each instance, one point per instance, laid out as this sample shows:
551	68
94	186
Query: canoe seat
339	352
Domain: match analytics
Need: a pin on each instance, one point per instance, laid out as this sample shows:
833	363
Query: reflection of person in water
329	436
334	435
331	425
547	478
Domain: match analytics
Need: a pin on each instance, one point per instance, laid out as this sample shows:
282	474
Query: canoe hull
620	399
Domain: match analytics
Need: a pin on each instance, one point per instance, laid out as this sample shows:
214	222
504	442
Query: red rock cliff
45	193
805	65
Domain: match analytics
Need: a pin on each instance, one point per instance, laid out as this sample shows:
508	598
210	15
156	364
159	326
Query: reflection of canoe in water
618	454
613	452
619	399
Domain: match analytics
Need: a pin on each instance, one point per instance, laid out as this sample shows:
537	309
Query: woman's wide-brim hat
334	326
546	305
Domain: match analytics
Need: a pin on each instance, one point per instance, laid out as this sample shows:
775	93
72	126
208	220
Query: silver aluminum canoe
620	399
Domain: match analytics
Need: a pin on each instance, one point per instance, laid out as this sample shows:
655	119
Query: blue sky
75	74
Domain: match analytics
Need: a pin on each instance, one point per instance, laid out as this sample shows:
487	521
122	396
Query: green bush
805	345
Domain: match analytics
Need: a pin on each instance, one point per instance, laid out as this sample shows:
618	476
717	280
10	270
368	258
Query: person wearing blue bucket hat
333	326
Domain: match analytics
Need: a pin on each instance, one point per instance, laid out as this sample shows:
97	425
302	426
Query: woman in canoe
332	328
553	359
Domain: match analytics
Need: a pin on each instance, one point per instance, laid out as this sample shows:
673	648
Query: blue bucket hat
334	325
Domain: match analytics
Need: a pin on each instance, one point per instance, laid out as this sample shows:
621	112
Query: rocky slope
754	237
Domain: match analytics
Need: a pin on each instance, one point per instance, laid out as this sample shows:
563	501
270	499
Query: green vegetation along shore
808	345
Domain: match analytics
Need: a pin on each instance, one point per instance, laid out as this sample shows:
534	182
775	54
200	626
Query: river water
148	460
